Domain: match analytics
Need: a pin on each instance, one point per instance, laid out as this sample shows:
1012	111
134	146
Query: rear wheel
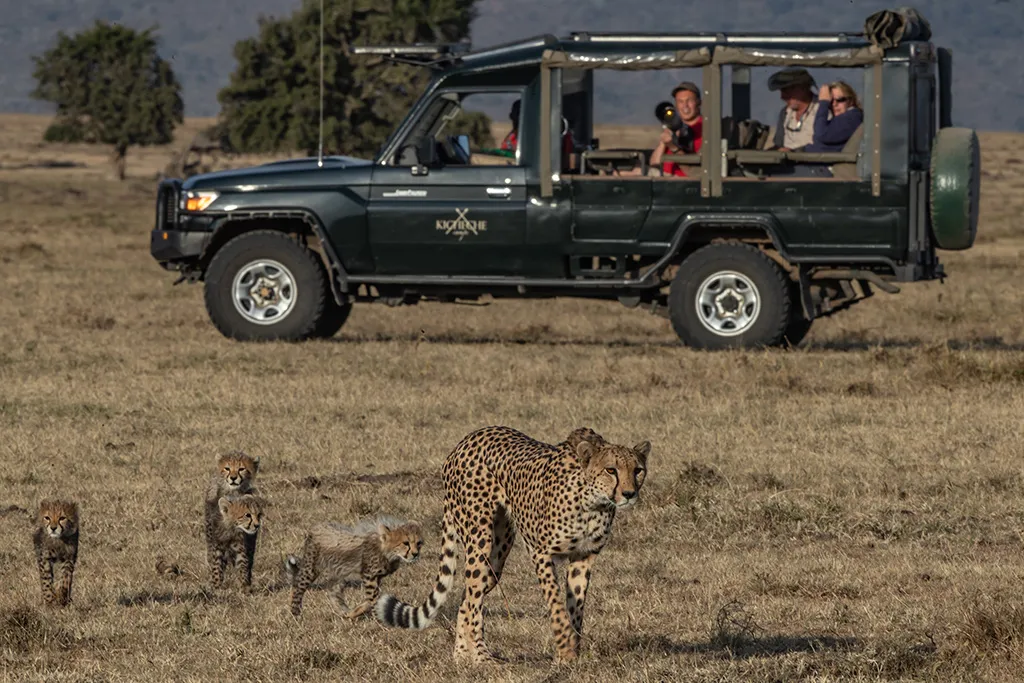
264	286
729	296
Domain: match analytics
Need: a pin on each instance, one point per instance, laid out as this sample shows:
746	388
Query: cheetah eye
248	515
611	471
638	472
46	518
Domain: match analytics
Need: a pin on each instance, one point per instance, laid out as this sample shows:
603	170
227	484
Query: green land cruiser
745	250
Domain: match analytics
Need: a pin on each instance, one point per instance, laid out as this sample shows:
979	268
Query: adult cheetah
561	499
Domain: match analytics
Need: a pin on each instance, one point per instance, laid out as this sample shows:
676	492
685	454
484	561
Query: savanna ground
849	510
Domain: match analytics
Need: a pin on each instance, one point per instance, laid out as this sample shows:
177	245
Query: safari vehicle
742	252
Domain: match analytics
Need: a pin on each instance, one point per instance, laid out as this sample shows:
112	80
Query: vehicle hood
276	174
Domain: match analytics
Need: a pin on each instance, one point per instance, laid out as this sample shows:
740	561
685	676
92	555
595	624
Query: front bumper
169	244
177	245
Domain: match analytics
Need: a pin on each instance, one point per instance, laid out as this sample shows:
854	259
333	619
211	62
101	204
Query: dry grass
846	511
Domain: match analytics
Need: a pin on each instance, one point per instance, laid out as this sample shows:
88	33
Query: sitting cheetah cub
233	538
56	544
234	477
352	556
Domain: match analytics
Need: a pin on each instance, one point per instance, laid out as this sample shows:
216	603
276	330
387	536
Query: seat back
847	170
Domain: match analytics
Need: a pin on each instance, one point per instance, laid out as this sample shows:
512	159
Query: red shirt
672	168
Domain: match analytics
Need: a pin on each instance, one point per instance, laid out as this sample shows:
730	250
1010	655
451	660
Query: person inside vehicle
687	141
511	141
687	99
831	134
795	127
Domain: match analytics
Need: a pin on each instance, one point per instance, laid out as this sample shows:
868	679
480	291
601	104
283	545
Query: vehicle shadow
850	344
862	344
744	648
519	340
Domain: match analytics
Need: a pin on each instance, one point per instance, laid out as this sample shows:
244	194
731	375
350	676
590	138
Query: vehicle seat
847	170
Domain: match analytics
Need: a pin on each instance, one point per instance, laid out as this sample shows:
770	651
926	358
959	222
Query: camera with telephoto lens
682	136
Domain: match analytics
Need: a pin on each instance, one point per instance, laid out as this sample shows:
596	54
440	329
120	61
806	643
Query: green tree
272	101
110	87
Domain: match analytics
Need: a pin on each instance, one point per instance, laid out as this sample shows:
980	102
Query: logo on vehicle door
461	226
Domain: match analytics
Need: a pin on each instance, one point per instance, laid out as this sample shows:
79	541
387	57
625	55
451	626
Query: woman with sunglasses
830	135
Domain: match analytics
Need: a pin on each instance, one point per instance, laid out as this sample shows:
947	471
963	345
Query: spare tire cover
955	188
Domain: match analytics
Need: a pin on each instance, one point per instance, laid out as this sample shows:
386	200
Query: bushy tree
110	87
272	101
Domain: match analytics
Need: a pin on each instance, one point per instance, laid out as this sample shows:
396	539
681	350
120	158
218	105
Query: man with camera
680	139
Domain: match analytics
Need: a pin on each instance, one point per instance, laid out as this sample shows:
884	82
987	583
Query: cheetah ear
222	503
643	449
584	451
382	530
256	464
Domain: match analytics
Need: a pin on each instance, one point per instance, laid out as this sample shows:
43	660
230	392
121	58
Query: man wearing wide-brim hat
795	127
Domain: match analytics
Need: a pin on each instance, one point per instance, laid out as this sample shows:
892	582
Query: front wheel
264	286
729	296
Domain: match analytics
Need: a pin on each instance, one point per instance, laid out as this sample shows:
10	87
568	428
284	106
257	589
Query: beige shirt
805	135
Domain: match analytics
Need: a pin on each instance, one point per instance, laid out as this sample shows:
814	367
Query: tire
291	273
753	276
798	326
333	318
955	188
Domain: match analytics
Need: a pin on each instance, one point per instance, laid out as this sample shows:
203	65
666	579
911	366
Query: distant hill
198	35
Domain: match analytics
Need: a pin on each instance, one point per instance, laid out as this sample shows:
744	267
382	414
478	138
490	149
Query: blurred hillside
199	36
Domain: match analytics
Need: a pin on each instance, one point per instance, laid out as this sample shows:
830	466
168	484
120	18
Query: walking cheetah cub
233	538
234	477
56	546
345	557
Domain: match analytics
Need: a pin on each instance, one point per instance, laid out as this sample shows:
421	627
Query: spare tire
955	188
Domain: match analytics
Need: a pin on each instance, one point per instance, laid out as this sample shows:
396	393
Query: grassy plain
848	510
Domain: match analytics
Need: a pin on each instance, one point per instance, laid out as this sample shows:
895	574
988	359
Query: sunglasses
840	99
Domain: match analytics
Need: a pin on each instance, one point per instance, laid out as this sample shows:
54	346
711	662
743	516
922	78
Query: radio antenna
320	144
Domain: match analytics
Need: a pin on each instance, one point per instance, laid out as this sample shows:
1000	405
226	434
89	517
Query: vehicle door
441	208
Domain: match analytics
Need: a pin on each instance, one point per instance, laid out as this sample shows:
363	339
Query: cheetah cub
233	538
234	477
56	545
343	556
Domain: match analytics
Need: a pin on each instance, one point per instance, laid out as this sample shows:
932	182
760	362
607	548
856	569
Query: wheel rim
264	292
728	303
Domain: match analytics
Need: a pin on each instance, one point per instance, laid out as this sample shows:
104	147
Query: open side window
778	146
454	130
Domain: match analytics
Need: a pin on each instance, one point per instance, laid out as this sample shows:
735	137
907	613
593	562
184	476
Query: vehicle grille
167	198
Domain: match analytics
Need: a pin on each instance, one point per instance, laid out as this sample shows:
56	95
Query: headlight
197	201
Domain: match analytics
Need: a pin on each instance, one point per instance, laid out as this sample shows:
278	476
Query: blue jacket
830	136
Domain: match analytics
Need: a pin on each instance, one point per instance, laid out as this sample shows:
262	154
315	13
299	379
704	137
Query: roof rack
713	38
431	55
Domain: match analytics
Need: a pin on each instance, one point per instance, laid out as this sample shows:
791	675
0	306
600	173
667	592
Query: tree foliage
272	101
110	87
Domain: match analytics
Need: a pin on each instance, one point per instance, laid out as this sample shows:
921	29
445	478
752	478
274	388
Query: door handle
499	191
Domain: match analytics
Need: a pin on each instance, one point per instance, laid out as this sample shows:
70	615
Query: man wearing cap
687	98
795	127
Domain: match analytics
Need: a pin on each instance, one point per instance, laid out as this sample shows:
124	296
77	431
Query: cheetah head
401	542
242	512
58	518
237	469
615	472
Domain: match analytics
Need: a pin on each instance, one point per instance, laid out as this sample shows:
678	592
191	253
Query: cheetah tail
393	612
